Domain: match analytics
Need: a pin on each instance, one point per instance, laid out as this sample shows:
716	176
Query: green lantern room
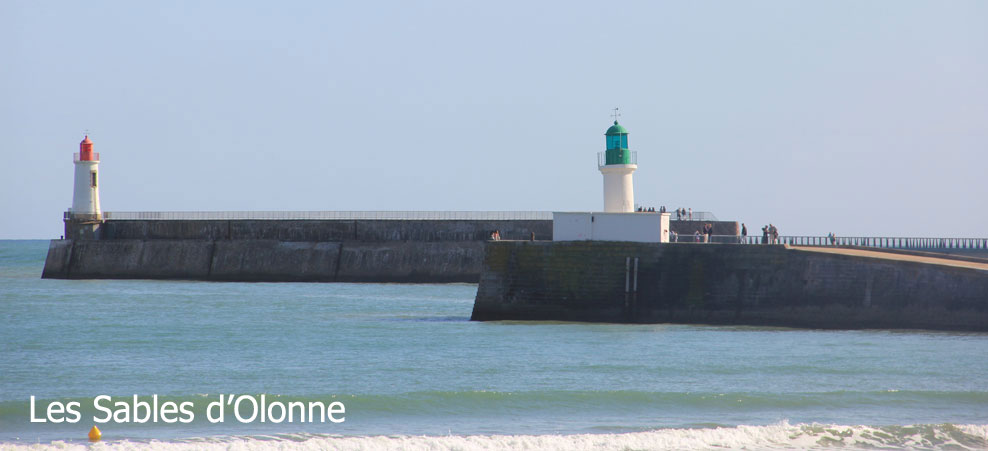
617	145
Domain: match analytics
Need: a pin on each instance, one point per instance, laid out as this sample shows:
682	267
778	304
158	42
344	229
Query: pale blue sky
861	118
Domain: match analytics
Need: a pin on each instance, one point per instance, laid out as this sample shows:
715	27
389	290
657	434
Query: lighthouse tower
617	164
85	197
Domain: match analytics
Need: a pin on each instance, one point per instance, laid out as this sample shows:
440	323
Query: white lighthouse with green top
617	164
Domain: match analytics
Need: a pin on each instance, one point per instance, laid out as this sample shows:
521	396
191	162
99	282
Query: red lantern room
86	150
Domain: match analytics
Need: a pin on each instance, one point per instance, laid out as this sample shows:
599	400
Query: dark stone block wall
426	251
725	284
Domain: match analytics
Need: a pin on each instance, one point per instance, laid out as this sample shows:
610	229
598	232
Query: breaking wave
776	436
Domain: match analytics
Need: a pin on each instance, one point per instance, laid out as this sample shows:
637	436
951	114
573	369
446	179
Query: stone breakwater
416	251
766	285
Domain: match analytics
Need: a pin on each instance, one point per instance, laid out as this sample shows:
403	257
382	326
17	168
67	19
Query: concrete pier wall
729	284
417	251
266	260
324	230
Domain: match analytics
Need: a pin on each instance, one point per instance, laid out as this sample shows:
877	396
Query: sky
858	118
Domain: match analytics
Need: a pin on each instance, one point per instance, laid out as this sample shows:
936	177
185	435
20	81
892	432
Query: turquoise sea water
413	372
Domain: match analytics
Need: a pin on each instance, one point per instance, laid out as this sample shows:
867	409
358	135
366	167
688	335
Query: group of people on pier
661	209
682	214
707	235
770	234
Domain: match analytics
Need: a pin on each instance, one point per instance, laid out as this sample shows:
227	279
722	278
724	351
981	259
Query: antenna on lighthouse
615	114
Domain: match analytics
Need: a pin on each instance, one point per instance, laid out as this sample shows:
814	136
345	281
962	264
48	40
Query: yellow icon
95	434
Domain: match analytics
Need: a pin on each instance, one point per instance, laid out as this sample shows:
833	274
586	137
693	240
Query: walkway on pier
946	261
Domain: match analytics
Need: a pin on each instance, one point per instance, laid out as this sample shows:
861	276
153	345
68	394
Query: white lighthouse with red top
85	197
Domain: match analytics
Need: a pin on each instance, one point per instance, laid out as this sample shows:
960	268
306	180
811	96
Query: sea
402	367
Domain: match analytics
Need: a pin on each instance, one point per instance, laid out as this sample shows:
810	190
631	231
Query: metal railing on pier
697	216
82	217
904	243
693	238
326	215
887	242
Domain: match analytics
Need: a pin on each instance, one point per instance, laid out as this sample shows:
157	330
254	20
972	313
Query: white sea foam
777	436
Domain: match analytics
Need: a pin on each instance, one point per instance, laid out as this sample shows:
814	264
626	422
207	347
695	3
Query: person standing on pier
744	232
